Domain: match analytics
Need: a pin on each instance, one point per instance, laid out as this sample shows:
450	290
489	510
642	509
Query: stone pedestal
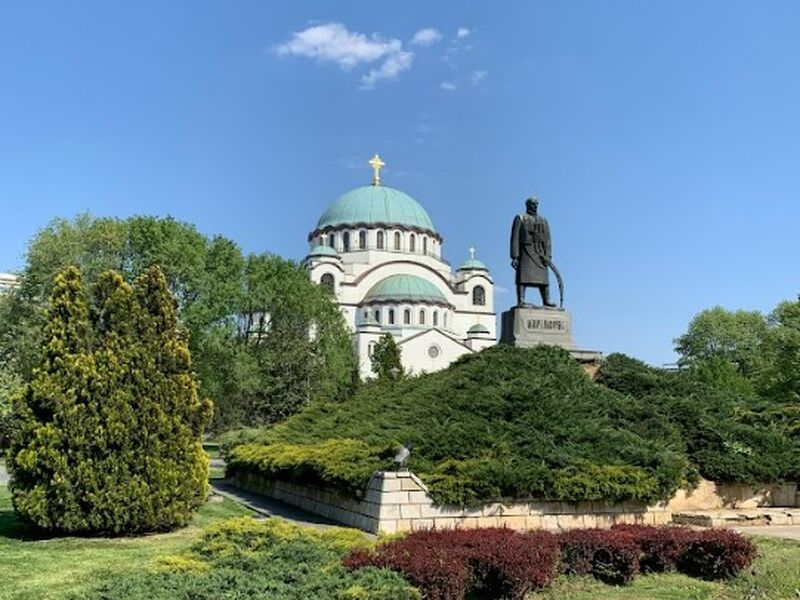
531	326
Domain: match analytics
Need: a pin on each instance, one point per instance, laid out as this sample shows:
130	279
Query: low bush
660	547
612	556
445	565
245	558
716	554
342	463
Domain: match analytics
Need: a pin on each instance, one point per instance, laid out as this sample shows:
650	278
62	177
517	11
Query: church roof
320	250
376	205
472	264
478	328
405	288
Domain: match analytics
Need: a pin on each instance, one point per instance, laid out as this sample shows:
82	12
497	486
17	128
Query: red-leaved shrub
446	564
660	547
716	554
612	556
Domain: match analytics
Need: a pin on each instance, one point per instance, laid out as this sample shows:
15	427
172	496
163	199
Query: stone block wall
395	502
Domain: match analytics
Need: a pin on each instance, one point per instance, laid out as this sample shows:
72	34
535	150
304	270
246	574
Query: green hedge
503	423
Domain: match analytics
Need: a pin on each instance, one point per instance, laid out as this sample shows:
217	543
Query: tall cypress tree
109	429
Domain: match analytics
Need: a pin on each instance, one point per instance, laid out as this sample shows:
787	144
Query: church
378	251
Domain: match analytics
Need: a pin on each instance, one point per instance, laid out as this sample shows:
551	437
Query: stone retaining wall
400	502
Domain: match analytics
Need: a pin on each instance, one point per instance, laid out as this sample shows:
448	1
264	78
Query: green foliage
503	423
385	358
243	558
254	379
108	431
735	336
343	463
728	434
10	387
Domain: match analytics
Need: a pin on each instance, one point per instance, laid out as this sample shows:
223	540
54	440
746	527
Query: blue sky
663	139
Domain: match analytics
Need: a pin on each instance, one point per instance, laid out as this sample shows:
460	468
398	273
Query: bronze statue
531	254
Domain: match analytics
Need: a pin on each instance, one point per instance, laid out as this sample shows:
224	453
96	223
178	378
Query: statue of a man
531	252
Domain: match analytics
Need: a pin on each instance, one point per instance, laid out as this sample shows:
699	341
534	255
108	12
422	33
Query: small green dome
472	264
477	329
405	288
323	251
376	205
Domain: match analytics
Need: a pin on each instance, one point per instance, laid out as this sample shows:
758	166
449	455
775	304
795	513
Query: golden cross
376	163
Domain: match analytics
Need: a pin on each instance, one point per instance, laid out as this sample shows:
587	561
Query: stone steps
738	518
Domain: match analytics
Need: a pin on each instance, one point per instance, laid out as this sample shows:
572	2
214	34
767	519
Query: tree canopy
254	377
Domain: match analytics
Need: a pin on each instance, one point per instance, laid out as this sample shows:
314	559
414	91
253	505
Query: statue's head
532	205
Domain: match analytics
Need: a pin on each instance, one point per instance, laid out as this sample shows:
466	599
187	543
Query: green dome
477	328
472	264
405	288
376	205
323	251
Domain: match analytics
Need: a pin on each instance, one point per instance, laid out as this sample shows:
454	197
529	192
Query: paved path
269	507
791	532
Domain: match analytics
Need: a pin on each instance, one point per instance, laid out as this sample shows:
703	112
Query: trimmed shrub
275	559
447	564
716	554
660	547
612	556
108	431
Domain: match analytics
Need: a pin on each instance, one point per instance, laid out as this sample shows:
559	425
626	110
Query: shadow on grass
12	528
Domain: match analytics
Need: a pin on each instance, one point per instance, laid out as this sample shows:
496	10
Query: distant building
378	251
8	281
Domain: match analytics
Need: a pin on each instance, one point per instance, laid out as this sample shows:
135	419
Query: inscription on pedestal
528	326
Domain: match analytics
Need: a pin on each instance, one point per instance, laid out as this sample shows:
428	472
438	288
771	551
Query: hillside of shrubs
528	423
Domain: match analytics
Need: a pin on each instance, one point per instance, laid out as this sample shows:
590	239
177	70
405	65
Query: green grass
37	568
775	576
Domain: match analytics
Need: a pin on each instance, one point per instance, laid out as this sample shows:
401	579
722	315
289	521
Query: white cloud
463	32
426	37
478	76
332	42
448	86
394	65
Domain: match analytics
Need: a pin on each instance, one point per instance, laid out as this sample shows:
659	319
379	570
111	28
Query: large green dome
405	288
376	205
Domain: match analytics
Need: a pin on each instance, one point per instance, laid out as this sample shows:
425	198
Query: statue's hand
514	263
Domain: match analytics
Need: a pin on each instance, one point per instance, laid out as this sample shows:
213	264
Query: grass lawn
37	569
777	577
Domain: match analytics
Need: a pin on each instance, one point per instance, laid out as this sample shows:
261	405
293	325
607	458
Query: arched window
444	319
406	317
412	243
391	316
377	316
332	241
362	240
425	245
380	240
422	317
328	281
436	318
346	241
397	240
478	295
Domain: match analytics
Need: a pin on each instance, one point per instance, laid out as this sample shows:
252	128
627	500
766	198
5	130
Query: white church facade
378	251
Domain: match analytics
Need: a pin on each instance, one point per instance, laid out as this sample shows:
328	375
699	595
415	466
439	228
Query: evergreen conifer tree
108	432
386	358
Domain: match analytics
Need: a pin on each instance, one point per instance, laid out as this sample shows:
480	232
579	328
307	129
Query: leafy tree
285	343
108	431
734	336
385	358
781	379
222	298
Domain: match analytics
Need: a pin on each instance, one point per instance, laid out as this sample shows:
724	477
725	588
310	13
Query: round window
434	351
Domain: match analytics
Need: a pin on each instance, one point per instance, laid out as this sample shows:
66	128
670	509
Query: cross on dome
472	253
377	164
